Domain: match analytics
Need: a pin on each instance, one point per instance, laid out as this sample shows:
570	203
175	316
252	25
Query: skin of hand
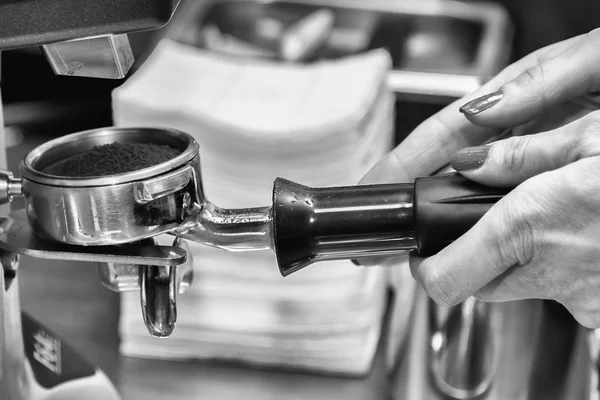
542	239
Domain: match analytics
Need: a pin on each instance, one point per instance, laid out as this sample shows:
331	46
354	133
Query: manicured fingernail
482	103
470	158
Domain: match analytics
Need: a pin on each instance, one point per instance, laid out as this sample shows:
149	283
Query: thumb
507	163
566	76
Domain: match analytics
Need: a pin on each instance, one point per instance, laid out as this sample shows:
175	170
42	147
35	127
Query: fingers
432	143
503	238
549	81
509	162
537	242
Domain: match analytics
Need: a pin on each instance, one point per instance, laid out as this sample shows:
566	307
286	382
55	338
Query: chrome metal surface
128	277
119	277
158	298
440	49
233	230
107	56
10	261
540	353
16	236
54	150
462	353
113	209
9	187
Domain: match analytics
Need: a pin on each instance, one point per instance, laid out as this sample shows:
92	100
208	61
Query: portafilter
113	219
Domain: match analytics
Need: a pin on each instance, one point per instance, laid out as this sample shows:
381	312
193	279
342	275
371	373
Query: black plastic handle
318	224
446	207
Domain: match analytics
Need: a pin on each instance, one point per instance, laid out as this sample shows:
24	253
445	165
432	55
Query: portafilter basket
115	209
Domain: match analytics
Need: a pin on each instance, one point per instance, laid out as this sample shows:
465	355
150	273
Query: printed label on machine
51	360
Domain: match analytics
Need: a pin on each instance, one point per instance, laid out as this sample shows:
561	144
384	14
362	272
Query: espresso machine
111	223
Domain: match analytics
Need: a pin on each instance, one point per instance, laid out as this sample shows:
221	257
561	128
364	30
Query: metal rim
189	147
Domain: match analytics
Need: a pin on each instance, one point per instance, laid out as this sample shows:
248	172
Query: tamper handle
446	207
352	222
335	223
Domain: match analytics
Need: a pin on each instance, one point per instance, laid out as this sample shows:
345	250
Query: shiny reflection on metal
119	277
233	230
357	248
357	208
540	353
9	260
127	277
163	185
113	209
462	356
16	236
9	187
159	287
107	56
66	146
158	299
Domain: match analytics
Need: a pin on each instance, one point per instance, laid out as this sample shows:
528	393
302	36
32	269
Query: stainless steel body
115	209
519	350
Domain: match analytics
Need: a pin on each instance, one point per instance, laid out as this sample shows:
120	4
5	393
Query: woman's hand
543	239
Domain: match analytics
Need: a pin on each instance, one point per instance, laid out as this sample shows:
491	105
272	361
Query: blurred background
438	51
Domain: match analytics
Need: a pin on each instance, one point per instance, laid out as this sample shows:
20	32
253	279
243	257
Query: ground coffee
112	159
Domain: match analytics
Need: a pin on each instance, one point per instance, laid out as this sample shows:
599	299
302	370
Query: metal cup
113	209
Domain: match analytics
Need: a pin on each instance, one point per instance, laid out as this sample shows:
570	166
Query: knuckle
532	76
531	82
434	284
515	245
590	124
589	319
515	152
586	136
593	36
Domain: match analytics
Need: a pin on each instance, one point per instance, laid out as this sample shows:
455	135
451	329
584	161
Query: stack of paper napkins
322	124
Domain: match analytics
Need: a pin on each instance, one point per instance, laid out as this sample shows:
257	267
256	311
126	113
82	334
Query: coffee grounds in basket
112	159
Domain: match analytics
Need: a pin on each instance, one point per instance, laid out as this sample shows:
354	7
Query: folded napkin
321	124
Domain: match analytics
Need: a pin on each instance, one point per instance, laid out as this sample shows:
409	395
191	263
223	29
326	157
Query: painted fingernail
470	158
482	103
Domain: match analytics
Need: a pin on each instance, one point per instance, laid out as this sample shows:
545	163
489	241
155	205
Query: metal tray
441	49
